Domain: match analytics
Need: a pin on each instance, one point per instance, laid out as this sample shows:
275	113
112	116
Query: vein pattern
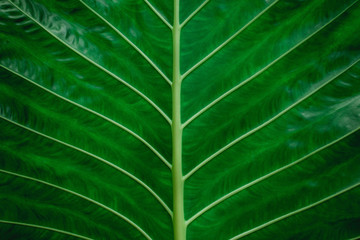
233	89
194	13
129	42
97	158
242	188
45	228
158	14
95	64
227	41
295	212
97	114
266	123
80	196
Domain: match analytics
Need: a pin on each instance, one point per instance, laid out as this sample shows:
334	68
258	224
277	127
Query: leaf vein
129	42
194	13
232	143
95	64
158	14
95	113
260	179
233	89
295	212
80	196
44	227
355	238
133	177
228	40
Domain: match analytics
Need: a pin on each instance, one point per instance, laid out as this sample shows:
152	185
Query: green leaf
184	119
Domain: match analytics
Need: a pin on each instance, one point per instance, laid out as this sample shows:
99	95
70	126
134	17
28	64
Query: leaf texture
269	113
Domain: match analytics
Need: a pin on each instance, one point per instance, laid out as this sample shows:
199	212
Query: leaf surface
268	108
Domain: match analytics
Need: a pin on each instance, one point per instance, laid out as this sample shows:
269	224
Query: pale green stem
176	127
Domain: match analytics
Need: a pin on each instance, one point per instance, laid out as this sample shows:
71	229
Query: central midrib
176	128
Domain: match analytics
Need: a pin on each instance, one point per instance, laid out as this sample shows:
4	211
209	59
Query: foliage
90	117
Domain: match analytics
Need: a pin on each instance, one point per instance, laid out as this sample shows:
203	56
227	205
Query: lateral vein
44	227
158	14
228	40
95	113
268	121
80	196
193	13
294	212
233	89
97	158
129	42
355	238
260	179
95	64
